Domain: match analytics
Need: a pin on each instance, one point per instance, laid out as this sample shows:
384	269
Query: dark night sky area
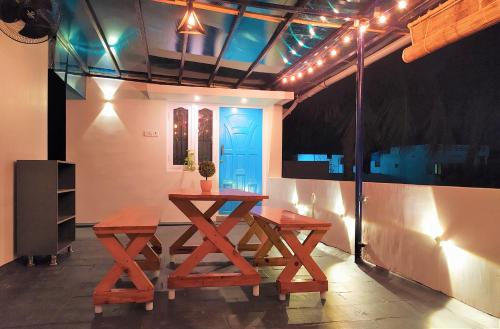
449	97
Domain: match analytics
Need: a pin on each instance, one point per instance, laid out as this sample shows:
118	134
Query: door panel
240	151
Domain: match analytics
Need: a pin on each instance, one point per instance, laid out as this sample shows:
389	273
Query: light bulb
333	52
292	78
382	19
310	70
300	43
293	52
347	39
402	4
363	27
285	80
191	21
319	62
323	18
312	32
299	75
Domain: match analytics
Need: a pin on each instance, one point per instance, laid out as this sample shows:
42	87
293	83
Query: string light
402	4
310	70
347	39
285	60
319	62
363	27
300	43
285	80
382	19
333	52
299	75
292	78
293	52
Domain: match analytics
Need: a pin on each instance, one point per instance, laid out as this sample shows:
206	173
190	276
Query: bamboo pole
448	23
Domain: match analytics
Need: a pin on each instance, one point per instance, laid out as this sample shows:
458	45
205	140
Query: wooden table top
287	219
130	220
214	195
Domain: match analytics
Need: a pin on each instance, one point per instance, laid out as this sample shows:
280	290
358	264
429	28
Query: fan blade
10	11
41	4
35	31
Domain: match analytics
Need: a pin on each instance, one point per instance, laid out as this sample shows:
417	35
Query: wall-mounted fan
29	21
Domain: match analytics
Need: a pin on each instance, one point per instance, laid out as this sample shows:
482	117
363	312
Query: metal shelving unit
45	208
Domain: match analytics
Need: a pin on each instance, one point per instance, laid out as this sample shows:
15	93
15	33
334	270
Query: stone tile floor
363	297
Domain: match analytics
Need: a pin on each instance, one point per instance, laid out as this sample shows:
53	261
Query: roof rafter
100	33
274	38
234	25
142	30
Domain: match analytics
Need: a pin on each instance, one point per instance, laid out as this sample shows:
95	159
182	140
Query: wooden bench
139	225
281	226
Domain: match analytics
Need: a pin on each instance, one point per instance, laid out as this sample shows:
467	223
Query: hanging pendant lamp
190	23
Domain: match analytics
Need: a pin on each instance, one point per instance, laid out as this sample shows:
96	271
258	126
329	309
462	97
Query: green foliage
189	163
207	169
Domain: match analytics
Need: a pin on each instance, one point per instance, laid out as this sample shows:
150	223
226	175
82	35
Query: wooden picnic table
215	240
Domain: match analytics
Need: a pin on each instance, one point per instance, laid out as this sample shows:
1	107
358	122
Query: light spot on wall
108	110
108	87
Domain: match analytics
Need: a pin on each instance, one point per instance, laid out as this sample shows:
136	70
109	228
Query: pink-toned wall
401	223
23	123
118	167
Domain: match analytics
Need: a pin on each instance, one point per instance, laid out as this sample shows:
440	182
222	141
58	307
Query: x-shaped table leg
302	257
215	240
178	247
124	263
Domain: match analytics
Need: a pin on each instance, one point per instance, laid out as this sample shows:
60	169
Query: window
180	135
190	127
205	124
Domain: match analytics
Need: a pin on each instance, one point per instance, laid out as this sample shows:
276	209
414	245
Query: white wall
23	123
118	167
401	223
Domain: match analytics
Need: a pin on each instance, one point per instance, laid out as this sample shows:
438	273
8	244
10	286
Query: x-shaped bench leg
273	239
254	229
302	257
215	240
124	263
178	247
151	261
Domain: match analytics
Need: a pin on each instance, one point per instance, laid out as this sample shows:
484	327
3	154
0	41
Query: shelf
66	190
61	245
63	219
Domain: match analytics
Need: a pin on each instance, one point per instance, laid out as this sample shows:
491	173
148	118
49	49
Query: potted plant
189	163
206	169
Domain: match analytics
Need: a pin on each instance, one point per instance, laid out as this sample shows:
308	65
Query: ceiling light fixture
190	24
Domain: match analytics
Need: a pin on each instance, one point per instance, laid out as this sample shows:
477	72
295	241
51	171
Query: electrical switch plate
151	133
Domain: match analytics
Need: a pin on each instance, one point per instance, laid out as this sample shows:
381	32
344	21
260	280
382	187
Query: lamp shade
190	23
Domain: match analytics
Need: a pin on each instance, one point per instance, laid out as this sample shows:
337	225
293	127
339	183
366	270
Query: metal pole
359	146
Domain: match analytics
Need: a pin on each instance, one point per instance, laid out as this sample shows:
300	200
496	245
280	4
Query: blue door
240	151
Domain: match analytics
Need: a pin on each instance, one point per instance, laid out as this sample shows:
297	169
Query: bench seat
287	220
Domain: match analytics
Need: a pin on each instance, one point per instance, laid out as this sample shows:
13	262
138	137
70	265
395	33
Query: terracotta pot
206	185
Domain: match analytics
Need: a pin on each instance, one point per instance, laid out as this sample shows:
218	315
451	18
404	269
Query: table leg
179	247
215	241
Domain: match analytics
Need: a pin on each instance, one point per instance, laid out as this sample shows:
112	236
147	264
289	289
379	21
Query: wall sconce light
190	24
